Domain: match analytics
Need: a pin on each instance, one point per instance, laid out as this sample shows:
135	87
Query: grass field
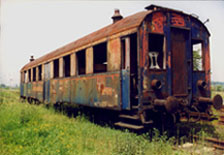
32	129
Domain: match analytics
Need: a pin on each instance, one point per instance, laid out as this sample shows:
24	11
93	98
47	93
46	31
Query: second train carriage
155	60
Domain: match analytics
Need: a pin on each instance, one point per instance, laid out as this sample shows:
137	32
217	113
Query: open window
100	58
29	75
66	62
34	74
56	68
81	62
39	72
156	51
197	55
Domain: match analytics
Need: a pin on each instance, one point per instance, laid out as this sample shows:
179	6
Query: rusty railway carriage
143	65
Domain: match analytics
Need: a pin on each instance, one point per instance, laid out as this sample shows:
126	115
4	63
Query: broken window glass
197	55
81	62
156	51
100	58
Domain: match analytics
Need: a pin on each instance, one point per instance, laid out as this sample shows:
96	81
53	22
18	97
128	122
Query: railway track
214	142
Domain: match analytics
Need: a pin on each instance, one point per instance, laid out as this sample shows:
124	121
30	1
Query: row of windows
156	57
99	65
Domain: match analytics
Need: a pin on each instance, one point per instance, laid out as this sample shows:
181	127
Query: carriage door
129	71
46	91
179	46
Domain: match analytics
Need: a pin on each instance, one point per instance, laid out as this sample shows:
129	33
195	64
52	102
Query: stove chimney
117	16
31	58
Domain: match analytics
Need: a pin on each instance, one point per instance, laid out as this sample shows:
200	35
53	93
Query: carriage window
100	58
81	62
197	55
66	63
156	51
39	72
56	68
29	75
34	74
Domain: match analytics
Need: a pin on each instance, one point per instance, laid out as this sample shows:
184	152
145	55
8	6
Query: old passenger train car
151	63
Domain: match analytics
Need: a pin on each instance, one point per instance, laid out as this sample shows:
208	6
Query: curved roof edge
126	23
122	25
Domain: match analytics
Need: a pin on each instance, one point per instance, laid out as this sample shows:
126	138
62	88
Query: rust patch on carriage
177	20
158	20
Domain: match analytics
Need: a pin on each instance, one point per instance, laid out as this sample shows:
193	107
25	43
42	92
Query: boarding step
129	126
134	117
148	122
145	107
135	106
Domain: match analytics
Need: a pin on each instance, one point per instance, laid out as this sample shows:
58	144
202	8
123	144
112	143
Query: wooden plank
130	126
135	117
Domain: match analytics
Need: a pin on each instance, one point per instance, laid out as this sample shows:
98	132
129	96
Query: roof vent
117	16
31	58
154	7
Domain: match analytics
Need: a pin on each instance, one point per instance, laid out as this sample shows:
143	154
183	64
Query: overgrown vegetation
32	129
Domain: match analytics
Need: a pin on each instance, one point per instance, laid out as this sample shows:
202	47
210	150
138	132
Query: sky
37	27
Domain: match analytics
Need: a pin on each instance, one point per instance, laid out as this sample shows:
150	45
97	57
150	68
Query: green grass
32	129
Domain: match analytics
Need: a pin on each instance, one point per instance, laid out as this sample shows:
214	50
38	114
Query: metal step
130	126
134	117
145	107
148	122
135	107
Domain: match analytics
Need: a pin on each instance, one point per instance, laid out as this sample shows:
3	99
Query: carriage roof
124	24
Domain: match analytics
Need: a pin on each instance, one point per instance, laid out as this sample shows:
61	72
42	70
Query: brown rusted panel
34	89
39	90
140	50
158	21
29	89
179	65
207	66
144	45
114	54
67	89
177	20
99	90
53	90
89	60
60	90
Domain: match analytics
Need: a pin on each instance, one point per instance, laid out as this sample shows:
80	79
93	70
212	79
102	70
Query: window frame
163	50
198	41
95	63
